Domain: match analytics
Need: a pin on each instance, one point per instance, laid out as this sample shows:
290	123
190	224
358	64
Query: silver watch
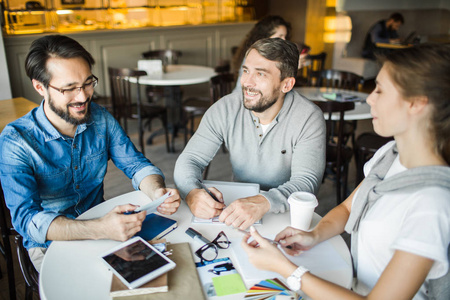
294	281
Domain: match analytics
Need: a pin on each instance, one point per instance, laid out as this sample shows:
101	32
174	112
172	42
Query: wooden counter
202	45
12	109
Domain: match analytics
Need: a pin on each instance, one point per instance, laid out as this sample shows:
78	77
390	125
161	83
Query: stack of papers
271	289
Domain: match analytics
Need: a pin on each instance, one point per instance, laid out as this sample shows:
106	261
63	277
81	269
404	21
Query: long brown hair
425	71
263	29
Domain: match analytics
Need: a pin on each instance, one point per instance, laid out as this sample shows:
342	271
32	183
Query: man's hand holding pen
204	206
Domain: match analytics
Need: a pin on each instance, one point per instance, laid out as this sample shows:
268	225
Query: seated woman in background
399	216
269	26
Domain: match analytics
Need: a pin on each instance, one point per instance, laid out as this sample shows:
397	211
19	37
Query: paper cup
302	205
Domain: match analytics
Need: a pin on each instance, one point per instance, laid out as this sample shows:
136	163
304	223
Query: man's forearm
150	184
65	229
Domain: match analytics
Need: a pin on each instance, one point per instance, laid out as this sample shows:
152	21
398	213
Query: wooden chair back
28	271
340	79
315	67
221	85
167	56
121	95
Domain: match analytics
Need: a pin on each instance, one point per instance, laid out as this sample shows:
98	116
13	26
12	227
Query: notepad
155	227
230	192
322	260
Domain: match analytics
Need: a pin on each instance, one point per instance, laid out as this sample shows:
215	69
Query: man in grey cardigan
275	138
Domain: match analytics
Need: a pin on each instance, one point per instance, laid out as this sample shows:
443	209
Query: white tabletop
361	111
73	270
178	75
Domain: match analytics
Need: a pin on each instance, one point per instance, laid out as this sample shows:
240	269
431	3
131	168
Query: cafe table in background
174	77
73	269
360	112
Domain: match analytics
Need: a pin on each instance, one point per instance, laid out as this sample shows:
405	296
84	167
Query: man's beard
65	114
264	103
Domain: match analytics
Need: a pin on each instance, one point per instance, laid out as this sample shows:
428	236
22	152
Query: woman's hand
265	255
294	241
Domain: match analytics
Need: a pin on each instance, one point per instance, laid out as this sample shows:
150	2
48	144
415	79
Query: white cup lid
303	198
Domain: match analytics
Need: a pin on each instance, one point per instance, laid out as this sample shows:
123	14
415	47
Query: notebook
230	192
155	227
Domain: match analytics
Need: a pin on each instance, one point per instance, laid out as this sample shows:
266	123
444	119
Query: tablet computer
136	262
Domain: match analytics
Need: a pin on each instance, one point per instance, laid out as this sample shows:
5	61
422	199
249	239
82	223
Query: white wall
5	87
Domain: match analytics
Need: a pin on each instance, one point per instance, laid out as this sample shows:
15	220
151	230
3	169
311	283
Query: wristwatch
294	281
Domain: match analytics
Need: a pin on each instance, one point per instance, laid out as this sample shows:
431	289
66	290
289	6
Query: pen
208	191
197	236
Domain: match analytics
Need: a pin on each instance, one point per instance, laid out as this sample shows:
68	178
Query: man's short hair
284	53
397	17
52	46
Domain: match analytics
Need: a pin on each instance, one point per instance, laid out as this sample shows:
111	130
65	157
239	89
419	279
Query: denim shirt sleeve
19	183
125	155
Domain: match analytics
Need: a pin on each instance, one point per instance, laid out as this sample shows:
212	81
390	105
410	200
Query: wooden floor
116	183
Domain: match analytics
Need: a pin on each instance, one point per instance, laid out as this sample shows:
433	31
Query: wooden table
392	46
12	109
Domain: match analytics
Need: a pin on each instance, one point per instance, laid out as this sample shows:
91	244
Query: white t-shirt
416	222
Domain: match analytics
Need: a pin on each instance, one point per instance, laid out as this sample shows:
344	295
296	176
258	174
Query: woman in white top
402	237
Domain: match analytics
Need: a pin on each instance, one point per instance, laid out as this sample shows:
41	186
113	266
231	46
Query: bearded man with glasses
54	159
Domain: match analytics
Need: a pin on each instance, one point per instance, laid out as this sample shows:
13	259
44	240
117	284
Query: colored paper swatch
229	284
271	289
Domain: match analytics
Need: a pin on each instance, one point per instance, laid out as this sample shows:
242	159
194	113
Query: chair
310	74
338	155
366	145
220	85
28	271
168	56
340	80
343	80
124	108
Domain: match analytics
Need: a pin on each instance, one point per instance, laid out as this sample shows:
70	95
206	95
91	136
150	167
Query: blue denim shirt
45	174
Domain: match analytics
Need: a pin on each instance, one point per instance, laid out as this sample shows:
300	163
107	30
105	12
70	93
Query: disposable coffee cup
302	205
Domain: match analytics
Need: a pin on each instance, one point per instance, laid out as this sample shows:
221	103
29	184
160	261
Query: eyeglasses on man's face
209	251
88	87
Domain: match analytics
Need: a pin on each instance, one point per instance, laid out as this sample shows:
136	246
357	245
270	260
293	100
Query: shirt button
74	146
257	126
76	167
260	135
77	187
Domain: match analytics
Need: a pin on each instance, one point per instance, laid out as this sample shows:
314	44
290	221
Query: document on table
230	192
321	260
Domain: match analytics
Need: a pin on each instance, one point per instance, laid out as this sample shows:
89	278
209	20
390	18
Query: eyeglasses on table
210	250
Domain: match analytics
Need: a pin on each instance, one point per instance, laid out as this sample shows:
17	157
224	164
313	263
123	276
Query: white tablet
136	262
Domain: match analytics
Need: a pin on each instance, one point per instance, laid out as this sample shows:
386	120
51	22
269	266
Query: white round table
178	75
73	270
175	77
360	112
